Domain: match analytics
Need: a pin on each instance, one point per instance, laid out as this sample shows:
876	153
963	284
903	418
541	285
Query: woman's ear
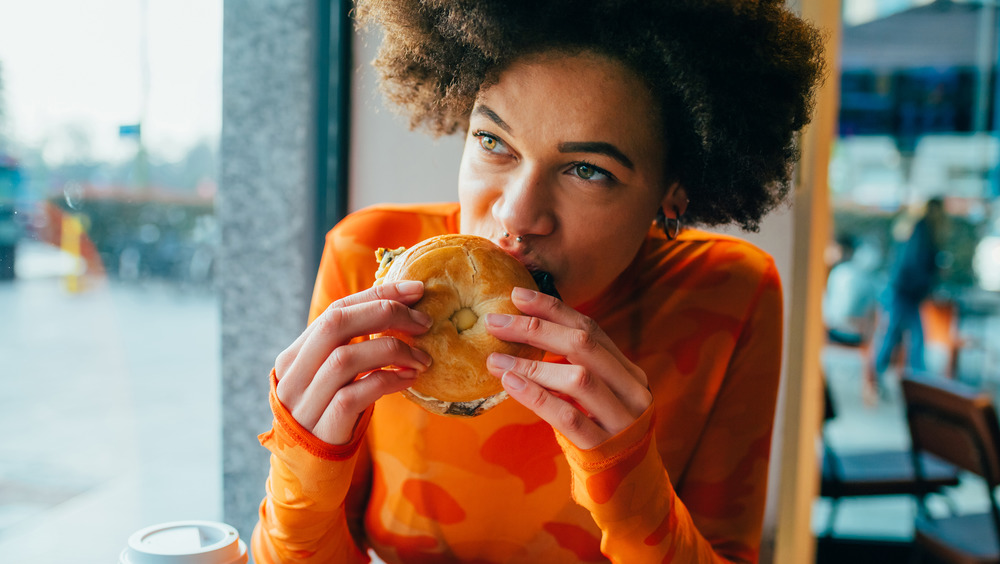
675	201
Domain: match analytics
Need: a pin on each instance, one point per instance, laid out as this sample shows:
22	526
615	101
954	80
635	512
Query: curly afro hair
734	78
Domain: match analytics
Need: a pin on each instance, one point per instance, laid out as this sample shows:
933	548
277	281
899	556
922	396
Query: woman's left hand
591	399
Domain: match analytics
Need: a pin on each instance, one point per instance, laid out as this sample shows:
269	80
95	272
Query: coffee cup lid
185	542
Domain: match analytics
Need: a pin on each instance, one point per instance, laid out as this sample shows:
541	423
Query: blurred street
110	409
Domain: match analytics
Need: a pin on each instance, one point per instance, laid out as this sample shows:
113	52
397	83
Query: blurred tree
70	142
198	165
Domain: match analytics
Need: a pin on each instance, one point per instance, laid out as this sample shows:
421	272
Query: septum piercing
519	239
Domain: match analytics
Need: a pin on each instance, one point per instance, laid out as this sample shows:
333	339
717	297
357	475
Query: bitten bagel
465	277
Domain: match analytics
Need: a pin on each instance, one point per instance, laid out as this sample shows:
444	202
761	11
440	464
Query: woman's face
566	152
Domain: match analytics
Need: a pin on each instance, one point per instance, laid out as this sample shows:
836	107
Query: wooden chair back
955	423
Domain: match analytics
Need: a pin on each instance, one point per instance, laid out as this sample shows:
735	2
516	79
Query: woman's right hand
318	374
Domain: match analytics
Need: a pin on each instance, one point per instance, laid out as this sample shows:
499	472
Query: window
918	120
109	331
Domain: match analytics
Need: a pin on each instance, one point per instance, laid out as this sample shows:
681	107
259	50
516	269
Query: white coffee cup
185	542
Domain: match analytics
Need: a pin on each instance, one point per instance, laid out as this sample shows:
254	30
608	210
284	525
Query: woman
591	130
913	276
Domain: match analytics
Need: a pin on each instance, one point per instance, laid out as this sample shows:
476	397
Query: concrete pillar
266	208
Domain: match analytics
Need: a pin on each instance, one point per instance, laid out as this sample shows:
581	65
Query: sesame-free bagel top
465	277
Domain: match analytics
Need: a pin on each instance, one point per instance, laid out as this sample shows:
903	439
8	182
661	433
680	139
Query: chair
959	425
875	473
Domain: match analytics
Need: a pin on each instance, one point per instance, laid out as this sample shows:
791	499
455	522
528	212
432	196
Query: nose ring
519	239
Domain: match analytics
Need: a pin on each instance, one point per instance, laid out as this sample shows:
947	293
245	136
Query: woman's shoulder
722	242
401	217
395	225
702	270
706	252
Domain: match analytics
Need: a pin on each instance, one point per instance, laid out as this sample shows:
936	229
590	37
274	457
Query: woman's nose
527	205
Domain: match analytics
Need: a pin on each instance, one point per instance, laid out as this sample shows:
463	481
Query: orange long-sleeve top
685	483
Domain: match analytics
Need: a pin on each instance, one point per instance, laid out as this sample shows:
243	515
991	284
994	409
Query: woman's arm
303	517
322	390
717	514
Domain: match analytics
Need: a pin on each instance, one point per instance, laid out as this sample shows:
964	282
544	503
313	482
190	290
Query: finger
582	347
570	380
407	292
563	417
337	326
551	309
343	365
336	424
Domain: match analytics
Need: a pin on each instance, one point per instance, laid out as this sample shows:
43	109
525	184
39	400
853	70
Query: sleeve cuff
613	450
293	432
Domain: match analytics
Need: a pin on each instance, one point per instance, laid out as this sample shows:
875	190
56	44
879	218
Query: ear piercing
671	225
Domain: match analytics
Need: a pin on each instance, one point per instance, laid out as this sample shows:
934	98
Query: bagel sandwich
465	277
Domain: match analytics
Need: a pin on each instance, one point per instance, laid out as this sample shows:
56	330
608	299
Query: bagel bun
465	277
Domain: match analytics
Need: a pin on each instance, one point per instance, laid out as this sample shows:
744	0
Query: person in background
912	276
851	296
593	131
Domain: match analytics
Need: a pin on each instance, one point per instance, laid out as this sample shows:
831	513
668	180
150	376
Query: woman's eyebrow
599	147
492	116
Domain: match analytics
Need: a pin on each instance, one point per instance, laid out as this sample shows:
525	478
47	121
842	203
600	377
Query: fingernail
410	287
423	357
524	294
499	319
501	361
421	317
513	381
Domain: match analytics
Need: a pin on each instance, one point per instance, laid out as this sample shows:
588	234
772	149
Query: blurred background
110	338
917	120
110	115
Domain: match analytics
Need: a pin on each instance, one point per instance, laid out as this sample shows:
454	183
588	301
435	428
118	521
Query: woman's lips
519	255
531	265
543	279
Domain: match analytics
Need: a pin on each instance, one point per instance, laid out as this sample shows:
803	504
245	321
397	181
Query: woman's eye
489	142
588	171
585	172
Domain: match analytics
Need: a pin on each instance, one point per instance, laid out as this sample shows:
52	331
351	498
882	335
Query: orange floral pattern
685	483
